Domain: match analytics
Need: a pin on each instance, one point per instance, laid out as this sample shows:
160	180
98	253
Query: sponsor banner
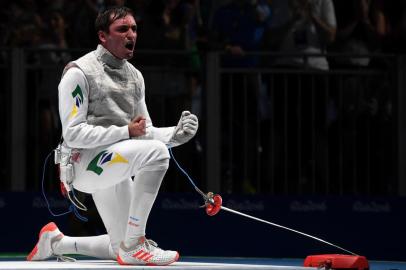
373	227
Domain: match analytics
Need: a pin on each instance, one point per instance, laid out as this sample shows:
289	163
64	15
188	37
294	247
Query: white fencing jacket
99	94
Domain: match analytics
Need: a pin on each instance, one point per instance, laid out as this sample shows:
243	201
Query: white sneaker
43	249
146	252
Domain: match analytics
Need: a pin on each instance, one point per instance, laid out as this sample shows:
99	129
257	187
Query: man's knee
159	150
158	156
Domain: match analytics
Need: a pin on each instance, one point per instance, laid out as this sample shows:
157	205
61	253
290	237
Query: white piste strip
107	265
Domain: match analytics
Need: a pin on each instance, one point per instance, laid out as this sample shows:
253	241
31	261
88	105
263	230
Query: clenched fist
137	127
186	128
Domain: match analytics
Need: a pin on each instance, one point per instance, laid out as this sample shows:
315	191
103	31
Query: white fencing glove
186	128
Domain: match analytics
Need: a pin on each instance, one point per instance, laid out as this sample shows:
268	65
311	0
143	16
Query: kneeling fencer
108	139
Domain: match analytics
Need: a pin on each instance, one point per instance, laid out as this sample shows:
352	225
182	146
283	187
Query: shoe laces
150	244
63	258
60	257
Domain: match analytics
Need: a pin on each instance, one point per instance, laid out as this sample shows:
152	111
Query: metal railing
296	130
264	129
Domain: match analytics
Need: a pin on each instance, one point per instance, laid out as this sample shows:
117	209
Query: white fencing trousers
106	174
104	167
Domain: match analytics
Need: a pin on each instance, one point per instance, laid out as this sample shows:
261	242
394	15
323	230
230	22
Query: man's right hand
137	126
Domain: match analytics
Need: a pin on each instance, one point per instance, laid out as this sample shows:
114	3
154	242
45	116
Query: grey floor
107	265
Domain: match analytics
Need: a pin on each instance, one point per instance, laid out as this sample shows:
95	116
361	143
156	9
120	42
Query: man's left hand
186	128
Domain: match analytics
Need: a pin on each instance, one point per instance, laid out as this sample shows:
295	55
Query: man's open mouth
129	45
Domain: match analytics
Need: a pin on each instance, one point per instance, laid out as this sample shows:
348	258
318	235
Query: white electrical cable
78	204
286	228
209	199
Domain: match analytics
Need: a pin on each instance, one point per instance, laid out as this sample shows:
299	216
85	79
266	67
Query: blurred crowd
237	26
297	29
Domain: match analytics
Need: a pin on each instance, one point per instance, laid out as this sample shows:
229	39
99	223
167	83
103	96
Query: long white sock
93	246
146	187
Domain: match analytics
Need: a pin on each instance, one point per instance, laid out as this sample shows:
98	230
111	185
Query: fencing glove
186	128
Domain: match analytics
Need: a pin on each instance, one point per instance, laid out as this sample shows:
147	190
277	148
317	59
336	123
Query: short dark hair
108	16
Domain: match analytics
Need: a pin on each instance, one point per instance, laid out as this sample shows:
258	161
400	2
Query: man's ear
102	36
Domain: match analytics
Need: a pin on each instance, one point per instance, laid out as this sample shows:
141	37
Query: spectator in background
5	31
53	36
50	43
196	43
169	25
164	26
304	27
395	41
237	30
140	7
172	25
359	102
111	3
80	15
299	28
361	29
24	22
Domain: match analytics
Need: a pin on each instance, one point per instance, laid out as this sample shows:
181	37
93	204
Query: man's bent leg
93	246
113	205
52	242
146	187
136	249
102	168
